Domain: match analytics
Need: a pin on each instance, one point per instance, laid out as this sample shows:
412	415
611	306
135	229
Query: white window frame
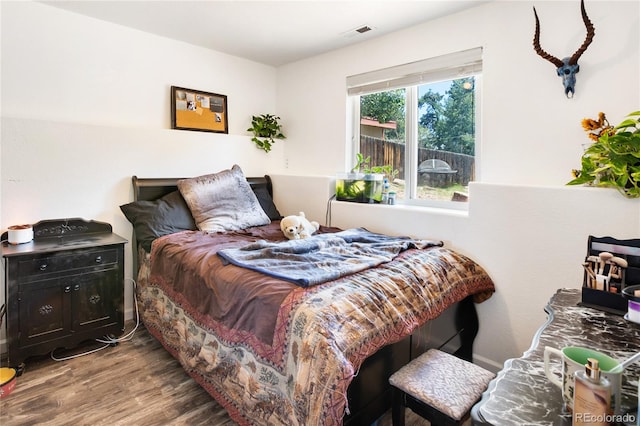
408	76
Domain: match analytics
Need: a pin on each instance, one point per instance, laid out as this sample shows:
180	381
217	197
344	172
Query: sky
440	87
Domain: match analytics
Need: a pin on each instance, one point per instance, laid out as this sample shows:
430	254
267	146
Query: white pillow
222	201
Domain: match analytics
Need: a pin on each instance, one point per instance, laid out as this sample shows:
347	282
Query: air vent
355	32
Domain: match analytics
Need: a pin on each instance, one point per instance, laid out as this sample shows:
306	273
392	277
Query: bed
272	350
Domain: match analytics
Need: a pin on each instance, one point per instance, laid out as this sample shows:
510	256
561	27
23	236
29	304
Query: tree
446	123
456	128
430	102
383	106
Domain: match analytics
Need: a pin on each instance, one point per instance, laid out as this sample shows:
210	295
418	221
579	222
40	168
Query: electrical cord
129	335
109	341
67	358
327	216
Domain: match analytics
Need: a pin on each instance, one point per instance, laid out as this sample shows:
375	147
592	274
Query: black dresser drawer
66	262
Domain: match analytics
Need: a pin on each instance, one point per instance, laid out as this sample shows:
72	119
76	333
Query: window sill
403	208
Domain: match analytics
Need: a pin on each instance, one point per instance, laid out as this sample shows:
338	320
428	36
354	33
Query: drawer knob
43	267
76	287
98	259
67	289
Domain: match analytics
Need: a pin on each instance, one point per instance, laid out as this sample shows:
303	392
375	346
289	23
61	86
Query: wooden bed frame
369	394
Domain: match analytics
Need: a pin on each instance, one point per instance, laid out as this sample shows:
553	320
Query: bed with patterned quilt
286	332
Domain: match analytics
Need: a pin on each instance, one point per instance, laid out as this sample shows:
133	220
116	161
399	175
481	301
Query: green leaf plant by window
421	119
613	160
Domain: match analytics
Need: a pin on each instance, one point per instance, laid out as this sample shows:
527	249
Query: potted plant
265	129
613	160
363	184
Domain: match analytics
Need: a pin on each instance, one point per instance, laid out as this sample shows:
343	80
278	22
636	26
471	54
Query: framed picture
197	110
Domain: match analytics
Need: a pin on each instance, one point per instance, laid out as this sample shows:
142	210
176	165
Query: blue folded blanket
323	257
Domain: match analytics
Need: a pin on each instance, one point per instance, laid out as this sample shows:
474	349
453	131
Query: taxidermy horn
567	68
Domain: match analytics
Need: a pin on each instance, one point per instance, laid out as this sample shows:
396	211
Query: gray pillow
153	219
222	201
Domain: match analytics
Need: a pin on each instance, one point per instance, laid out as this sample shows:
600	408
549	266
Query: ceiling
269	32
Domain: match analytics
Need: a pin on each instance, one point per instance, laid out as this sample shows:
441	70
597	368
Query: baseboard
487	363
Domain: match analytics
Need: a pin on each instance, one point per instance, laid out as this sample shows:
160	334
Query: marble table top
521	394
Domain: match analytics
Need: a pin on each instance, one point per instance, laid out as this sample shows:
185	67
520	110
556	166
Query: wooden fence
384	152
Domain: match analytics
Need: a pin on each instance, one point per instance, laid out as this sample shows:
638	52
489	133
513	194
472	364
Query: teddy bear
297	227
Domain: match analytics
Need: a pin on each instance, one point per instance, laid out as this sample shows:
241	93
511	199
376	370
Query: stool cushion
445	382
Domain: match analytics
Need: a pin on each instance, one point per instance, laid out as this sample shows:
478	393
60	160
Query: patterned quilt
297	372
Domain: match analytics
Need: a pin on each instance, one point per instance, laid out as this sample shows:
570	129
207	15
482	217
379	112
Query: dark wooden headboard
149	189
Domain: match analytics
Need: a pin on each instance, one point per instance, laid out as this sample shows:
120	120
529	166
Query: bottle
391	198
592	396
385	191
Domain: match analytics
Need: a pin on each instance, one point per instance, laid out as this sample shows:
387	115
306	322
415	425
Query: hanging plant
265	129
613	160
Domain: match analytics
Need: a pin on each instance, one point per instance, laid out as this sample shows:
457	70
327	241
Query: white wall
86	105
524	225
531	132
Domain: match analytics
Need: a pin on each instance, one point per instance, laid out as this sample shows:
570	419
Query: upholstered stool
440	387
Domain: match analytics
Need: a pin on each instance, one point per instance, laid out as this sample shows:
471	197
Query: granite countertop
521	394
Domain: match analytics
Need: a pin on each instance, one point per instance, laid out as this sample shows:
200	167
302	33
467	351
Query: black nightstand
64	287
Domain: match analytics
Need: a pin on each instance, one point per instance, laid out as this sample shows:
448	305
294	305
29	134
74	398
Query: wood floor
134	383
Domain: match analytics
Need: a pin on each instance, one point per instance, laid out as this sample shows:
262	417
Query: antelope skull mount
567	68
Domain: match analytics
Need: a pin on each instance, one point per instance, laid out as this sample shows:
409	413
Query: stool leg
397	407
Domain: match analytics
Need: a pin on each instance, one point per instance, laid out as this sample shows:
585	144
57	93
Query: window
421	120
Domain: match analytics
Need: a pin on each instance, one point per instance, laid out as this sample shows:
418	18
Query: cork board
198	110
